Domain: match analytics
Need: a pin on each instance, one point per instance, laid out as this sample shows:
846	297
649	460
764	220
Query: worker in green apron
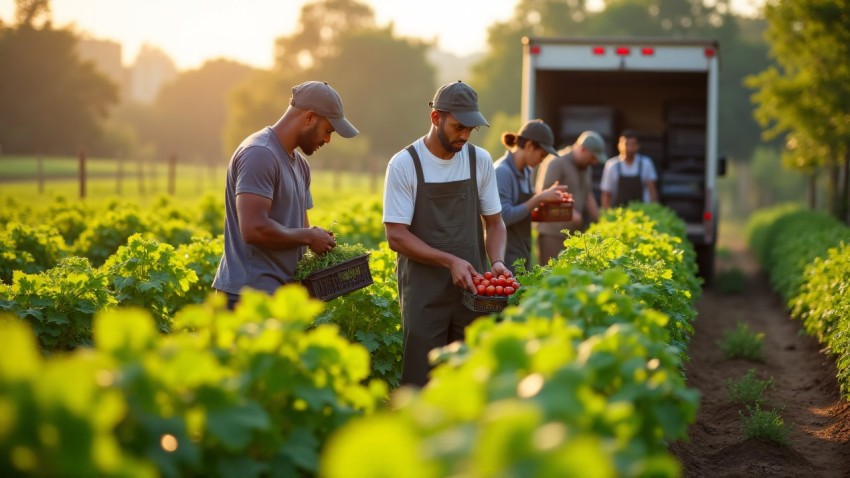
437	192
526	149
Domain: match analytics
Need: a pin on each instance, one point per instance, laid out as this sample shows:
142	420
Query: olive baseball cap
318	96
461	101
593	141
539	132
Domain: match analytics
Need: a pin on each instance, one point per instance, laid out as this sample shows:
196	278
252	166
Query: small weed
731	282
765	425
742	343
749	390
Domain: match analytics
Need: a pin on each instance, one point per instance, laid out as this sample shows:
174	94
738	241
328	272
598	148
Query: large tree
806	96
52	101
190	111
385	81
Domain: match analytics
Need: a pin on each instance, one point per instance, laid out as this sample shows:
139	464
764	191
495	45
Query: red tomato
476	280
488	275
499	290
485	282
535	215
481	289
502	281
508	290
490	290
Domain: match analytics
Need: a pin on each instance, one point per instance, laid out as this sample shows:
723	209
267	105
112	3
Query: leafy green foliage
765	425
29	249
748	390
312	262
823	304
742	343
108	231
254	392
371	317
148	274
59	303
647	242
202	255
529	394
807	258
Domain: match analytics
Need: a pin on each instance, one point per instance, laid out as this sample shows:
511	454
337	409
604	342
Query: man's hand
319	240
499	268
462	272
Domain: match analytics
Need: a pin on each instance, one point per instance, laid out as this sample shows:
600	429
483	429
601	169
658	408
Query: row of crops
806	255
118	362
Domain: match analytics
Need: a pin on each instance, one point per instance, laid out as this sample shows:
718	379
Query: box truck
665	90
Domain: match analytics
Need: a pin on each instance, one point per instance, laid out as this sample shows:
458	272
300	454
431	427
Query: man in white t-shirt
629	176
437	191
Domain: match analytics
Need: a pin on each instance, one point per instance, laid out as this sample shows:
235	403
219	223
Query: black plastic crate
484	303
341	279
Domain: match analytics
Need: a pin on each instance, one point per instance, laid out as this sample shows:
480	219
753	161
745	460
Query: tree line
386	81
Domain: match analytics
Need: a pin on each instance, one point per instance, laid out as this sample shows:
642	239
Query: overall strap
482	250
420	176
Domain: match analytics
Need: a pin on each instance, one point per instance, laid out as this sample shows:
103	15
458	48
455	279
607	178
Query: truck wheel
705	263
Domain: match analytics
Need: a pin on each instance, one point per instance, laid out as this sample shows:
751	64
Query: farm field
804	386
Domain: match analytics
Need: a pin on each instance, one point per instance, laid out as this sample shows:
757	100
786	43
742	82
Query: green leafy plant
748	390
765	425
742	343
312	262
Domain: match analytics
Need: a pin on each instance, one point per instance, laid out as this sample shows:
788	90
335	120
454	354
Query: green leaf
234	425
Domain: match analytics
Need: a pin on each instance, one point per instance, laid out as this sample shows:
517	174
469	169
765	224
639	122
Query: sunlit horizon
191	33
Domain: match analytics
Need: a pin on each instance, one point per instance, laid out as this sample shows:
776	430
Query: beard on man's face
445	142
308	141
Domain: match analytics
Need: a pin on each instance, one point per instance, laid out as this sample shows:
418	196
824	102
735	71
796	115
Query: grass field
19	178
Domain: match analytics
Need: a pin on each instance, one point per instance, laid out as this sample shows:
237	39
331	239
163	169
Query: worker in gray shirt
267	194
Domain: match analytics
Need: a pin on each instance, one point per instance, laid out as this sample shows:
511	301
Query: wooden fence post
82	158
40	169
119	176
172	173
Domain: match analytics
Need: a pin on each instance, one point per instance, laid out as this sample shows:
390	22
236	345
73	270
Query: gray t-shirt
261	166
562	168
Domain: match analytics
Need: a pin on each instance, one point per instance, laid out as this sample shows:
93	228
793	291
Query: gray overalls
446	216
629	188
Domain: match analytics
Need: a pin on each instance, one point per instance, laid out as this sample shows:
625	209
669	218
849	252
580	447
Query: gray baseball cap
318	96
594	142
461	101
539	132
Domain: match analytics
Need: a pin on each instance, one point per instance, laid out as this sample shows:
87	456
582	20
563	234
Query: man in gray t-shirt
267	194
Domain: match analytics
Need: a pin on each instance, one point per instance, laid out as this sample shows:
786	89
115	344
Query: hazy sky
192	31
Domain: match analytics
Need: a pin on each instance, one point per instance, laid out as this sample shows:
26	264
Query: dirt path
804	389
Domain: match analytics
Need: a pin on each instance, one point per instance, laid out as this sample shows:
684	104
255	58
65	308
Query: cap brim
343	127
470	119
549	149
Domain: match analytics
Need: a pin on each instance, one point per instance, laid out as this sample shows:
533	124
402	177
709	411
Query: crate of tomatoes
492	292
554	211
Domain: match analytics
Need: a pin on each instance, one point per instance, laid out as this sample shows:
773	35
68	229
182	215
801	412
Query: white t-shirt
611	175
400	181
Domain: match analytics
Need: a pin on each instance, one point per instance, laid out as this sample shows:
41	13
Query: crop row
581	372
807	257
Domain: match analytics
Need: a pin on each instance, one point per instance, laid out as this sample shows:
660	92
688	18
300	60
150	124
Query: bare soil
805	390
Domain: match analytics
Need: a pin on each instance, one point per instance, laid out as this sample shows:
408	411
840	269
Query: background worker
267	194
526	150
570	167
437	191
629	176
